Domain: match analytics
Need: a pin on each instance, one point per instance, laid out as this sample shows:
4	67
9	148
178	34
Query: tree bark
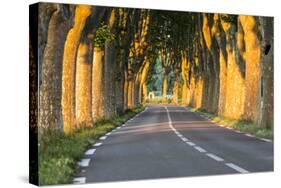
84	84
68	74
97	85
51	85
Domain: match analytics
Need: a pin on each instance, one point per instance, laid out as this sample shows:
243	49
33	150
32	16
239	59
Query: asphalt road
168	141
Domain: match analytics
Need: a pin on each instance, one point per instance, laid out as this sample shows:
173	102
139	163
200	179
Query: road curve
169	141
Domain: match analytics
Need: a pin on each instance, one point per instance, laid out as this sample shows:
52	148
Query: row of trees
94	62
225	62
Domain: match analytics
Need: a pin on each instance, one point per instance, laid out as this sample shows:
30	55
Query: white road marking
184	139
237	168
266	140
90	152
200	149
181	136
214	157
118	127
190	143
84	162
249	135
79	180
107	134
237	131
103	137
98	144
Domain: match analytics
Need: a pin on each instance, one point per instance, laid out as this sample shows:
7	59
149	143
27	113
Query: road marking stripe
249	135
200	149
90	152
190	143
98	144
84	162
237	168
118	127
214	157
266	140
103	137
107	134
237	131
184	139
79	180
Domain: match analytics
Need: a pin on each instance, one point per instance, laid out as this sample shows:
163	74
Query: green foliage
59	153
241	125
103	34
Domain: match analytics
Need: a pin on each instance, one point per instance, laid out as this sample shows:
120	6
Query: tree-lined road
169	141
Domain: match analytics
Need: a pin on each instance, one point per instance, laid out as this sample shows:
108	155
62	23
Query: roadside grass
241	125
59	153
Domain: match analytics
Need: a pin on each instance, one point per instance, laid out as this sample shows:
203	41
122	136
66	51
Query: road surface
169	141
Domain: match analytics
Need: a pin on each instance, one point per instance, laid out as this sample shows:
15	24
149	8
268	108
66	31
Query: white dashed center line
213	156
200	149
190	143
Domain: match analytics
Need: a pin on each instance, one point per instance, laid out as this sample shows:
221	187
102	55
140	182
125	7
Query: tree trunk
84	84
253	67
235	91
50	91
97	85
68	73
175	92
165	86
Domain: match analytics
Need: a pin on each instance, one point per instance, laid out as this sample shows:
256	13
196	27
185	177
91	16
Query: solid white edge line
90	152
79	180
84	162
97	144
237	168
213	156
198	148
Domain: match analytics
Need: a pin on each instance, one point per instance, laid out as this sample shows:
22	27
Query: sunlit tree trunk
125	95
97	84
84	84
68	73
212	57
50	89
144	92
253	66
184	73
221	40
143	89
175	91
165	85
235	91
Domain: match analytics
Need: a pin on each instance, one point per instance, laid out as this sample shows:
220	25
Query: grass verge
241	125
59	153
